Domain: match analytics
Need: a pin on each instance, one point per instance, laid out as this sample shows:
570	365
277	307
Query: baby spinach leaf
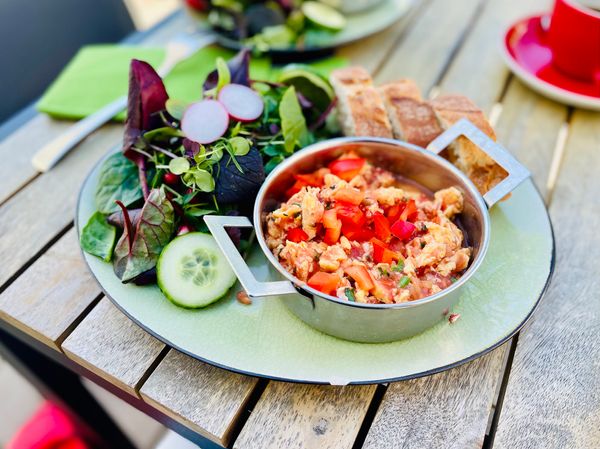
98	237
293	124
233	186
119	180
142	241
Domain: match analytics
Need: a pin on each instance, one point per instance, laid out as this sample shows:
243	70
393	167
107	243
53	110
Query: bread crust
360	108
412	119
469	158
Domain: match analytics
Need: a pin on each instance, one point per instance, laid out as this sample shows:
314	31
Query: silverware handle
517	173
217	224
54	150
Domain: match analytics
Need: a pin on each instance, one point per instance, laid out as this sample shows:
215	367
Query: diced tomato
350	215
296	187
332	235
297	235
361	234
349	195
393	213
382	290
410	211
381	252
382	227
309	179
404	230
347	168
330	219
361	276
324	282
332	225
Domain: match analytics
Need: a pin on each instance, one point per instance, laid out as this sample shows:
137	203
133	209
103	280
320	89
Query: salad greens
118	181
276	24
98	237
163	182
142	241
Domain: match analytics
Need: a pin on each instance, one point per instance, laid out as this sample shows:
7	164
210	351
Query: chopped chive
349	292
453	279
399	267
383	271
404	281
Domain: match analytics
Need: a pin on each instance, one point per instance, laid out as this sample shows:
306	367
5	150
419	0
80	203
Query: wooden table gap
370	415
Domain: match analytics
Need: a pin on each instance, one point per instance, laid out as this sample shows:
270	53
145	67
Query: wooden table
540	390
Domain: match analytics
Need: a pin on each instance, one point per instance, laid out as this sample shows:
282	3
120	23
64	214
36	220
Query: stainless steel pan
373	322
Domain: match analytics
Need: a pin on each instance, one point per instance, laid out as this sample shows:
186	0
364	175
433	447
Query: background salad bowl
374	323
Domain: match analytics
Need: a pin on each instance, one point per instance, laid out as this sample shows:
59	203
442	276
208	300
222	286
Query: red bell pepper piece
381	252
410	211
350	215
404	230
309	179
382	227
324	282
361	276
297	235
361	234
347	168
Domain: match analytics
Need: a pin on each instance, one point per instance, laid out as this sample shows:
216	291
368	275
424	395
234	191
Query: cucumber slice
323	15
192	271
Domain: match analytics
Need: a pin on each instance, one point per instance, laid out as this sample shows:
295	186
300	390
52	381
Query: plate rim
416	375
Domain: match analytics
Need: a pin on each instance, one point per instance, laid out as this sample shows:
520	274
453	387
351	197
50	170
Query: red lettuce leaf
142	241
233	186
147	97
239	70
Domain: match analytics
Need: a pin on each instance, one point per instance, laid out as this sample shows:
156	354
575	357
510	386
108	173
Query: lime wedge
323	15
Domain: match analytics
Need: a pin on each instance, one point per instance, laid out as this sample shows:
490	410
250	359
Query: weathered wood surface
304	416
48	298
110	345
427	46
439	410
204	398
553	394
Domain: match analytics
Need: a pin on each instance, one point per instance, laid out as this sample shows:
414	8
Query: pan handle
517	173
254	288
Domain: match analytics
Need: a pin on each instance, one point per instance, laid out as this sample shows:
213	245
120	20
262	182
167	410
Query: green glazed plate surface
265	340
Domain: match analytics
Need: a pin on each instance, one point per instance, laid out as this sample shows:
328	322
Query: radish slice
241	102
205	121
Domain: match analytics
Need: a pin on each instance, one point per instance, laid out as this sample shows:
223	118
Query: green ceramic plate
266	340
358	26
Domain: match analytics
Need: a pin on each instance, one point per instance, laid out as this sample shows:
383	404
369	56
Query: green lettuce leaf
98	237
293	124
119	180
142	241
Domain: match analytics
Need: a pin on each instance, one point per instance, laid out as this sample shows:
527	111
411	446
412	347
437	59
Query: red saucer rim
516	66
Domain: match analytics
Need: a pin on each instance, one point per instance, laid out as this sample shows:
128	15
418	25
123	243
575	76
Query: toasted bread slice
469	158
360	108
412	119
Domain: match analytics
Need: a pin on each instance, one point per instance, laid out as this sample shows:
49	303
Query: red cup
574	37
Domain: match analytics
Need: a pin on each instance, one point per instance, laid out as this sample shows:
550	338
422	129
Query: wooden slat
439	410
372	52
202	397
112	346
33	216
552	398
427	46
478	70
49	296
529	127
304	416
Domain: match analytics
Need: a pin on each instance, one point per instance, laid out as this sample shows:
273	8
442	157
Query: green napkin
98	74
